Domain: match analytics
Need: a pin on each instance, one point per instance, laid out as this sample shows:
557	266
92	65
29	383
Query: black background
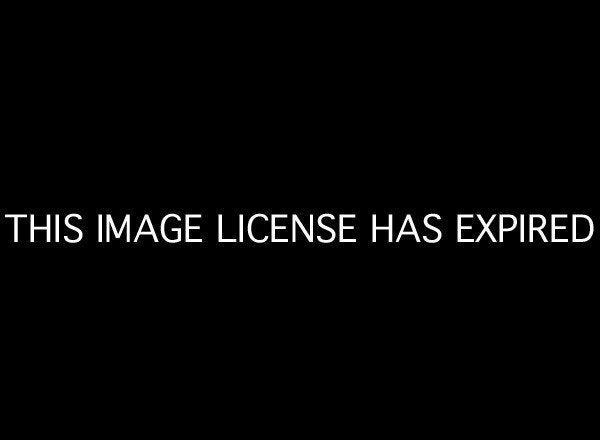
386	112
